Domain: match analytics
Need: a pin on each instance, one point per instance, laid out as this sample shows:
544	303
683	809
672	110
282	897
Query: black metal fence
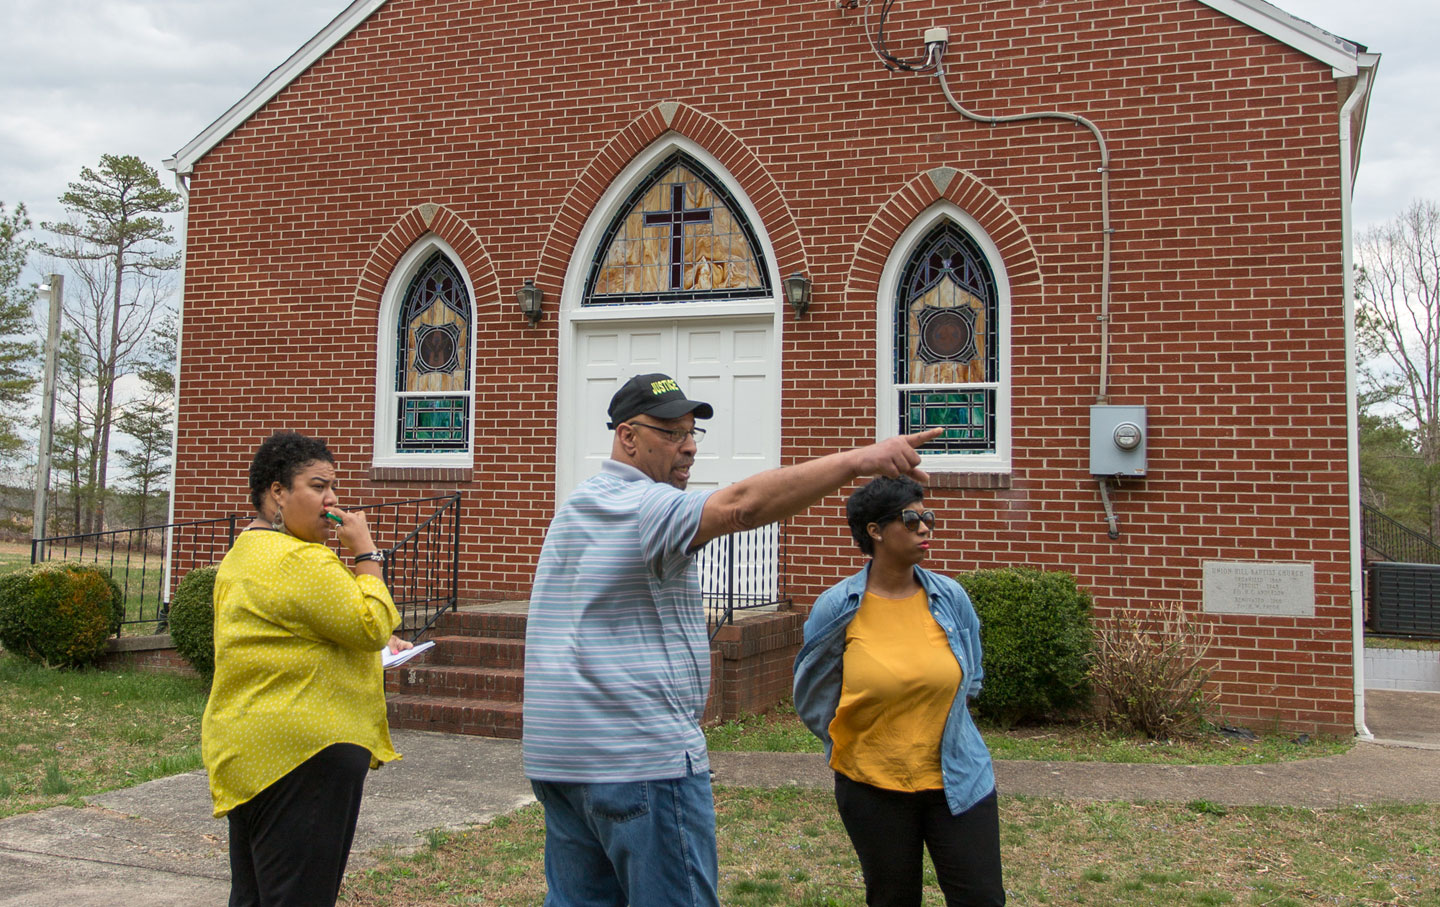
740	571
1394	541
421	538
137	560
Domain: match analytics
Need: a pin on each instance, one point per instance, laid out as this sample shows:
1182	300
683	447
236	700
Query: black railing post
455	557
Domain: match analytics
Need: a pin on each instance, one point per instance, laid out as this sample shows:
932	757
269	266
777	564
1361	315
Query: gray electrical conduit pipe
1105	231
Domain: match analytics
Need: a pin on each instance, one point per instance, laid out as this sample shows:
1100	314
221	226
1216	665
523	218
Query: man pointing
617	661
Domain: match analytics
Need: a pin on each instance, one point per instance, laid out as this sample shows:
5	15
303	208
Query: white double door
729	363
732	363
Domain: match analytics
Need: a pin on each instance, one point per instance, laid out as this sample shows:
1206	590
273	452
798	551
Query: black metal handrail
423	577
742	571
1395	541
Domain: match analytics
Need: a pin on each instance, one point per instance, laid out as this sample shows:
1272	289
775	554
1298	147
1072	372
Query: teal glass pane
968	418
432	424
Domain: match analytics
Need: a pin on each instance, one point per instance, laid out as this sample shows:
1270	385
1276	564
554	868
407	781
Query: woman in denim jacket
891	657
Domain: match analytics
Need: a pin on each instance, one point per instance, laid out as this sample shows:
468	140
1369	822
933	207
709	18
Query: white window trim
573	312
385	405
886	412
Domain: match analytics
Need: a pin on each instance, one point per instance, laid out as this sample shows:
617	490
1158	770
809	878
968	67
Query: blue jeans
642	843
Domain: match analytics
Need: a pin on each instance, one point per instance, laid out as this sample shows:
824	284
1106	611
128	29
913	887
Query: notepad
396	659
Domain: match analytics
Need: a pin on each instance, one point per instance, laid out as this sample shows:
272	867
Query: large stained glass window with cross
432	374
946	357
680	236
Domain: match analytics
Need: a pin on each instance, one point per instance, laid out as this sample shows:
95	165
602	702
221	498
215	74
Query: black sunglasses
913	518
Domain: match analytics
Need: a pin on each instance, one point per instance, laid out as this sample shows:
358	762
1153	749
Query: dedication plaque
1262	588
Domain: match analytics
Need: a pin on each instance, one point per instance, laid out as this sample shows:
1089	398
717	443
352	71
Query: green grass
1401	642
69	734
13	560
777	731
780	731
787	847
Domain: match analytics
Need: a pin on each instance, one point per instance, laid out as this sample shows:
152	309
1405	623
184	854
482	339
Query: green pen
335	518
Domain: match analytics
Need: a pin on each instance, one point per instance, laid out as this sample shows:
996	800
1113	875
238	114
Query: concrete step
476	717
476	652
503	684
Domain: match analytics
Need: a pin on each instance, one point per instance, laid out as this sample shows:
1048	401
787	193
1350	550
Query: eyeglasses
676	435
913	518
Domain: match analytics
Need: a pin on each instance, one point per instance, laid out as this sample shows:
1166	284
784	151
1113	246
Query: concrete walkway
156	844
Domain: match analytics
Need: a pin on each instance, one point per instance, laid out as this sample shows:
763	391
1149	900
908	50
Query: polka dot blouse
297	664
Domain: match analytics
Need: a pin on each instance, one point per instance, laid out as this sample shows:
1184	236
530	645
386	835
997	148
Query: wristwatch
377	556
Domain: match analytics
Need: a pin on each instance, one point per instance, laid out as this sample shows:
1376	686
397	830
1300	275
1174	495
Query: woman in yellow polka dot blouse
297	711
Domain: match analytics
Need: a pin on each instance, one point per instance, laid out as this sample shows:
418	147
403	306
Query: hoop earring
278	523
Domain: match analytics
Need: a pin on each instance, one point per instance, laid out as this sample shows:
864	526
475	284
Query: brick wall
152	654
756	663
498	126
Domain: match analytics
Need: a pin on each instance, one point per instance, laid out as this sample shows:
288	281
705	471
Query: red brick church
1105	245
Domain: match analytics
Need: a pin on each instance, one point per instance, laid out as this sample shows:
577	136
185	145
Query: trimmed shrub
1149	671
57	614
117	604
192	620
1035	629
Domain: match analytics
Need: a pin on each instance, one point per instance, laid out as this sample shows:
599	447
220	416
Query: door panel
727	363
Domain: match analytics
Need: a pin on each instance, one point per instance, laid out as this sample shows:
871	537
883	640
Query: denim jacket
964	761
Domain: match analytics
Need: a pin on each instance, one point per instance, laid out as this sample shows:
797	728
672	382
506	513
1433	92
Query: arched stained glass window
679	236
946	348
432	361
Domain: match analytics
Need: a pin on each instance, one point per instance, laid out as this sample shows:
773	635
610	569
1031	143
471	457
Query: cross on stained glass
676	218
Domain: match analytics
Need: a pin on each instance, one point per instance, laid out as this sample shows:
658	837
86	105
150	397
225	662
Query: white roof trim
1264	17
1287	29
278	79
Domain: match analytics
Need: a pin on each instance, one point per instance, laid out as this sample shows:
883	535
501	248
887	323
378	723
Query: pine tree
17	350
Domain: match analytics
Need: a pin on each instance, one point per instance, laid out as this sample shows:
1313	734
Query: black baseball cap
656	395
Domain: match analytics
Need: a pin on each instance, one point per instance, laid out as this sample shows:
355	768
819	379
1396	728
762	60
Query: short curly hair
879	500
281	456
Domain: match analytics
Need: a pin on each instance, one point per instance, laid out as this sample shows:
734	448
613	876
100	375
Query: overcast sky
81	78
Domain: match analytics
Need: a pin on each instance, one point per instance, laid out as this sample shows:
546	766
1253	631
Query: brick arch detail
966	192
418	222
718	140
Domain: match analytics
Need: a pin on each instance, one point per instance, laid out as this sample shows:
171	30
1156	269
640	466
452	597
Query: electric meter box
1118	439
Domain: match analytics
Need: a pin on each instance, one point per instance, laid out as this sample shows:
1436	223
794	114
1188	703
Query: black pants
289	843
891	828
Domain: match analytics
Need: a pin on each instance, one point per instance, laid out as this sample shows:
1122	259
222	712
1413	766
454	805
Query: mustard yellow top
899	678
297	664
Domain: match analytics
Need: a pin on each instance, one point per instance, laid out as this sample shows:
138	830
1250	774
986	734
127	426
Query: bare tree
1398	327
146	419
120	249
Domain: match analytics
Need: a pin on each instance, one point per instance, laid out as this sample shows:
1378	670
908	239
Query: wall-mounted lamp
530	297
797	293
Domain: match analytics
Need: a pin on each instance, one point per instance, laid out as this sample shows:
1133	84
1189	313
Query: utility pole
56	292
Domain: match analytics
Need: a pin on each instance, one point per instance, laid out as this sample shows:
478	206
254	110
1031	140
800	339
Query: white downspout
1352	416
182	182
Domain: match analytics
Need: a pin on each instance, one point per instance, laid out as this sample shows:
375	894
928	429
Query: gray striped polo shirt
617	661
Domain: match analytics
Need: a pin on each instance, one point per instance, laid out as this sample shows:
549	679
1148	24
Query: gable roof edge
279	78
1266	18
1309	39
